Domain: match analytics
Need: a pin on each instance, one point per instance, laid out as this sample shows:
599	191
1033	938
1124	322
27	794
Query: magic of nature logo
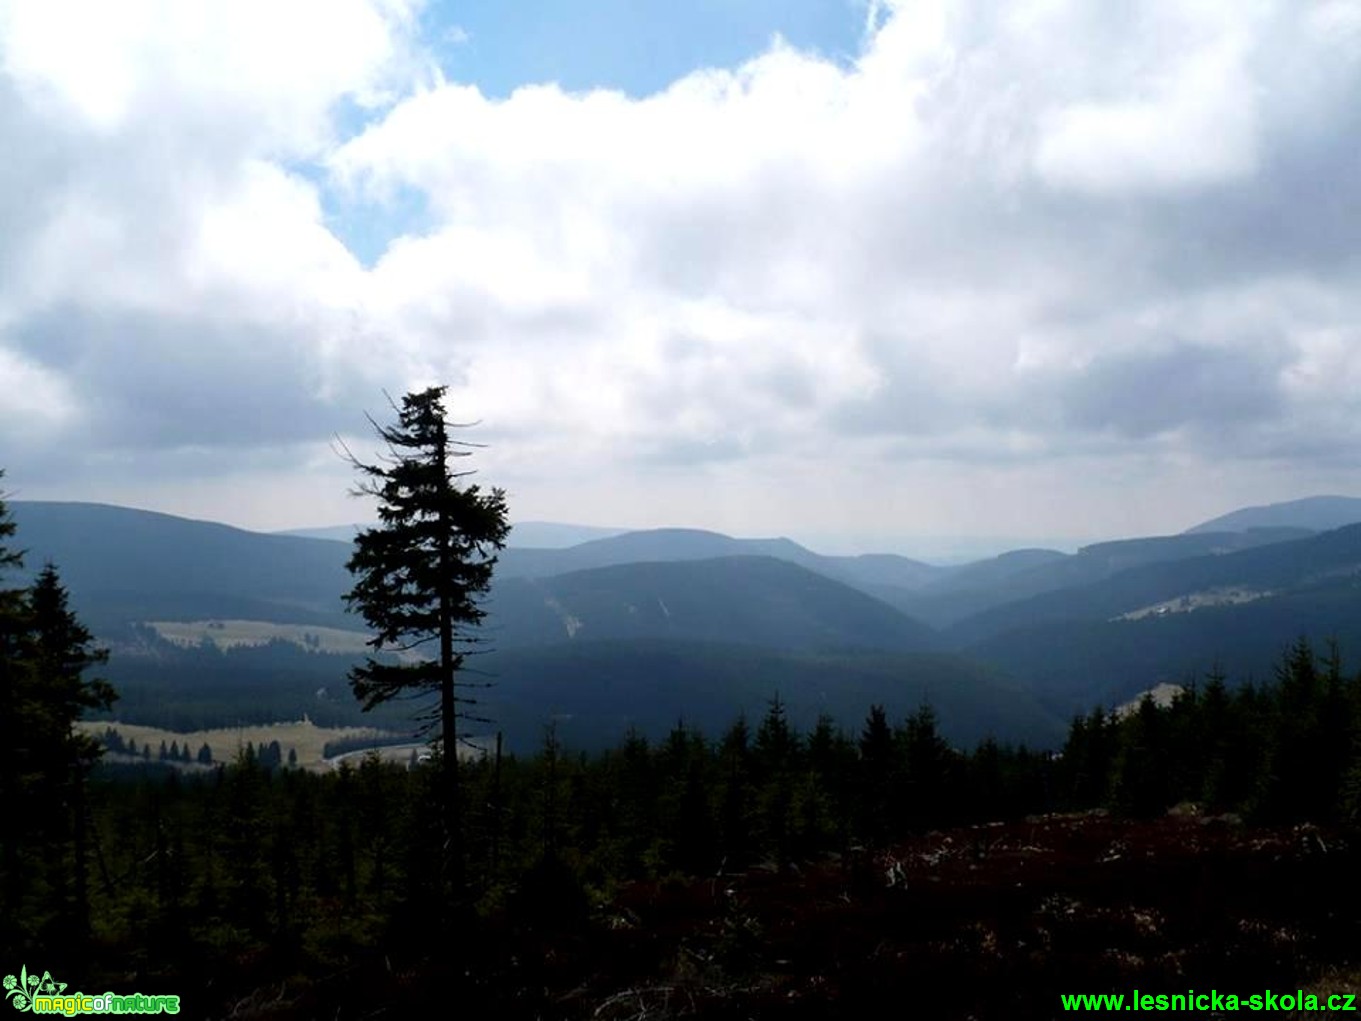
34	993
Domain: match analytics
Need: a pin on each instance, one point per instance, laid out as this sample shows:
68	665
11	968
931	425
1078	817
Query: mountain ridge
1318	513
1066	645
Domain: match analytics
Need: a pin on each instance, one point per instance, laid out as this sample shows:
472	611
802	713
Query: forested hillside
712	627
725	867
675	816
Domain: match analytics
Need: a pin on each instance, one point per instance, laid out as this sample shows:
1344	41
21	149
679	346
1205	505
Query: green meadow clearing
227	634
304	736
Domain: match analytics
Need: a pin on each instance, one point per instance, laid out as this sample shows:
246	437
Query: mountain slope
1173	621
1071	666
653	642
595	691
1258	571
679	544
531	534
1318	513
752	600
556	535
122	564
334	533
977	588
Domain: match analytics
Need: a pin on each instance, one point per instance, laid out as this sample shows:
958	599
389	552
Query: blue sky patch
636	46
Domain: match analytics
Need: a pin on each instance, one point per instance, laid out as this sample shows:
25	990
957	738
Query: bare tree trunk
453	845
496	810
81	866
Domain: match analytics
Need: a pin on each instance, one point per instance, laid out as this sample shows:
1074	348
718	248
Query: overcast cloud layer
1025	268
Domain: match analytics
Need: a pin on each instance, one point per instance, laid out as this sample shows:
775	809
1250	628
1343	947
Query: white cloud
37	399
1196	125
270	71
1006	237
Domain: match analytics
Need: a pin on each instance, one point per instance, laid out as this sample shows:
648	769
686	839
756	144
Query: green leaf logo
21	990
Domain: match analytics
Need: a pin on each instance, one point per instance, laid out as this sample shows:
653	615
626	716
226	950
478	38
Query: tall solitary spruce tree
421	572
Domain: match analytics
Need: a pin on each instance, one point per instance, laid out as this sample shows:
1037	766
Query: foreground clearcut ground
990	921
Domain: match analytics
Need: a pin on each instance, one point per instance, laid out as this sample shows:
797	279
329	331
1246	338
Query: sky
872	275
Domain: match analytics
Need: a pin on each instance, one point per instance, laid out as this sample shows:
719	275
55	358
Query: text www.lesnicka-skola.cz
1211	1000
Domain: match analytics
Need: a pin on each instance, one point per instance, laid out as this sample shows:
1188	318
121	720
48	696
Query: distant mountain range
548	617
1174	621
966	592
1317	513
641	627
125	565
867	572
544	534
745	599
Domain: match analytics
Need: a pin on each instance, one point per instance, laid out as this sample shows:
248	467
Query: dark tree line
249	859
312	873
45	762
1288	751
313	869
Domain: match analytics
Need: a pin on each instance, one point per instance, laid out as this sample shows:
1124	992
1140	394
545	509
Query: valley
213	626
735	776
